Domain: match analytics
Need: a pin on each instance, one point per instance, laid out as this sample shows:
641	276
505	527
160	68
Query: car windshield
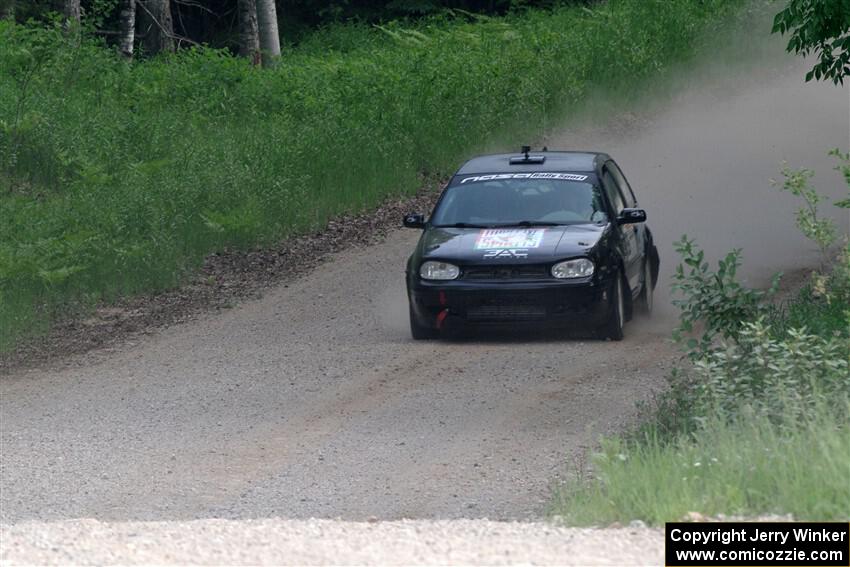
517	202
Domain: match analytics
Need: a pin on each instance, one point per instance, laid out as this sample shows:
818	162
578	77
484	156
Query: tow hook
441	317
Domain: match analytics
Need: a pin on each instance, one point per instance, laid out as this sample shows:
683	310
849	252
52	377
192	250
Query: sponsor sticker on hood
504	238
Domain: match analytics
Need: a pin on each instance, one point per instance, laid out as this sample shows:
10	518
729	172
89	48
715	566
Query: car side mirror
631	216
414	220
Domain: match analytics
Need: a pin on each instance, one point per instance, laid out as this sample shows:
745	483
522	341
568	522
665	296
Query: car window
510	201
613	193
623	184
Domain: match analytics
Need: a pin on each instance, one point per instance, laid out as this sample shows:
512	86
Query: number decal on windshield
502	239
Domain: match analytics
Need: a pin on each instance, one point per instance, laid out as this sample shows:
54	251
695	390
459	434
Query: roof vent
526	158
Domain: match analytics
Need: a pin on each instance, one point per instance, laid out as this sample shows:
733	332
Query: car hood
520	245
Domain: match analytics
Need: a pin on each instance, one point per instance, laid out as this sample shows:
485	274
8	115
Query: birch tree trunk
249	38
269	38
128	27
72	12
158	26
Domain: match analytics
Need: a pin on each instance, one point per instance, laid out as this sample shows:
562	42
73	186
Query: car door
631	202
620	196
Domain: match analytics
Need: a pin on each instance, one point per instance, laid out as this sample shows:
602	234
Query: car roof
555	161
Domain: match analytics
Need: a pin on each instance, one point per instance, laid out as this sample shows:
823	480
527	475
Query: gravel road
313	402
276	542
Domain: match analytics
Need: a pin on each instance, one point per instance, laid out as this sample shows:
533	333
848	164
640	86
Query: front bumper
551	303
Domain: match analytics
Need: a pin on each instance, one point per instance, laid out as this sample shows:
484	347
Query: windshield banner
538	175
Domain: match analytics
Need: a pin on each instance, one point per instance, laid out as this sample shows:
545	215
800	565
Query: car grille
529	272
506	313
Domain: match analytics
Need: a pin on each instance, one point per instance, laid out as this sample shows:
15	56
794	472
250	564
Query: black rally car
544	239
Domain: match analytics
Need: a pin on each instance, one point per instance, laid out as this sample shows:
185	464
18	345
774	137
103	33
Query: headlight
438	271
580	268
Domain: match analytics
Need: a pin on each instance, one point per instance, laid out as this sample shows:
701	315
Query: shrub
781	378
715	302
820	230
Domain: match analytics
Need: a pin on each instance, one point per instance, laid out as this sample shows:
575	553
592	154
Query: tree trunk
128	27
158	26
269	39
249	38
72	12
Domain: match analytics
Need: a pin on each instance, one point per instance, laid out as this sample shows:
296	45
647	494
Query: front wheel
613	327
645	300
420	332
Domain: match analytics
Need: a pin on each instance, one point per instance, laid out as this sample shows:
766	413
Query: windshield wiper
499	224
463	225
532	223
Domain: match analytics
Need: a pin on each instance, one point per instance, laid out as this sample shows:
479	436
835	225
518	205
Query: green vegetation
118	177
821	27
758	421
746	467
821	306
714	300
756	425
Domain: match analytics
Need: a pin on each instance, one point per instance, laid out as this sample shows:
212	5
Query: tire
613	327
645	300
420	332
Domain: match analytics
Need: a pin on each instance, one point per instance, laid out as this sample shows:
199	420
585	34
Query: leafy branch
821	27
713	300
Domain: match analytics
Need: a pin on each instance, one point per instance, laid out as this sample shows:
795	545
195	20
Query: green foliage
746	351
783	377
822	306
714	303
820	230
825	302
756	425
119	177
821	27
843	167
748	467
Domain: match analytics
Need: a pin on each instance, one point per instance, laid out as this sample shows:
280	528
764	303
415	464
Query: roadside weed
748	467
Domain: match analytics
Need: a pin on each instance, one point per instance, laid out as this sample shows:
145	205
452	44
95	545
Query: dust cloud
701	147
701	154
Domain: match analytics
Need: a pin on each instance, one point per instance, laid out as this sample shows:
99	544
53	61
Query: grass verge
748	467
